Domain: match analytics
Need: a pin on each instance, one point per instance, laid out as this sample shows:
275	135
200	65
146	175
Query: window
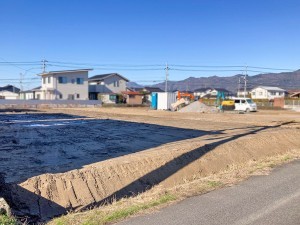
250	101
260	93
243	101
237	101
116	83
112	97
79	80
49	80
44	80
62	80
60	96
78	95
253	93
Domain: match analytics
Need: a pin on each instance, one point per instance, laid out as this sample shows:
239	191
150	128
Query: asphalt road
260	200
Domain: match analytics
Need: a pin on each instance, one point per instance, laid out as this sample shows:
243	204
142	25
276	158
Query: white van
245	104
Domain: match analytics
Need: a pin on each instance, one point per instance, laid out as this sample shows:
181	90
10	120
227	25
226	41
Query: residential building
133	97
201	92
209	92
147	91
9	92
293	93
65	84
107	87
33	94
266	92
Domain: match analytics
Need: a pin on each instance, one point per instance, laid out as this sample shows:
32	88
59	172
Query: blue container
154	100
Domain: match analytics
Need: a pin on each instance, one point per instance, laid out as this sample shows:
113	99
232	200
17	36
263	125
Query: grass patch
6	220
214	184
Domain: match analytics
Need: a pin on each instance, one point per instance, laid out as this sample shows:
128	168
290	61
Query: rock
4	207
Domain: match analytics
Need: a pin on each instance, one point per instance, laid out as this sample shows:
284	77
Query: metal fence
5	103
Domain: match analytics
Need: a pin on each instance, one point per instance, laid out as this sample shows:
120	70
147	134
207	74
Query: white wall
9	95
261	93
165	99
54	89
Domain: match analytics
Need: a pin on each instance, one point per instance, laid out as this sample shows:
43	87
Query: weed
6	220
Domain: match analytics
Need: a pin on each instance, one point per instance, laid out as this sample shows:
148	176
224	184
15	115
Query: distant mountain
286	80
134	85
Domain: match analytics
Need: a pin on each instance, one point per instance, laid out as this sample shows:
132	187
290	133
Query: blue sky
204	32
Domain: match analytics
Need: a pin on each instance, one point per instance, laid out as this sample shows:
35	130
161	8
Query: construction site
58	160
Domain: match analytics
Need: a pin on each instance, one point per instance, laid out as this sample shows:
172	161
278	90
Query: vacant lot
69	159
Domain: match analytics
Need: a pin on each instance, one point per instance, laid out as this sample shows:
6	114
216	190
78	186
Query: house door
70	97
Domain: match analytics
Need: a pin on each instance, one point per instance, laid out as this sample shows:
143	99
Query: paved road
261	200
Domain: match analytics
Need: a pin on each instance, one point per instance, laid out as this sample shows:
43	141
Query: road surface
260	200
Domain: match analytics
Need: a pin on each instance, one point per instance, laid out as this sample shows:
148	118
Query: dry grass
159	197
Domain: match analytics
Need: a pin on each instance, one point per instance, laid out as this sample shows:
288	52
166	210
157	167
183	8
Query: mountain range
284	80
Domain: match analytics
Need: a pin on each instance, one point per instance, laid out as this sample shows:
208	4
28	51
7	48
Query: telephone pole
167	75
44	61
245	78
21	81
239	87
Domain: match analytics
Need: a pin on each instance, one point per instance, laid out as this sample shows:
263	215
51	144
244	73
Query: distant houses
112	88
107	87
266	92
9	92
210	92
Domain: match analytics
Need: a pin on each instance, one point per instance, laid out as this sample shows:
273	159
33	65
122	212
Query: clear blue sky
198	32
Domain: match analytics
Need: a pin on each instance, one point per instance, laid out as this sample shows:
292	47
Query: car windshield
249	101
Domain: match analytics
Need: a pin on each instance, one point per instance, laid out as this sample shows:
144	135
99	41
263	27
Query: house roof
131	93
293	91
221	89
295	94
63	71
10	88
270	88
202	89
153	89
103	76
33	89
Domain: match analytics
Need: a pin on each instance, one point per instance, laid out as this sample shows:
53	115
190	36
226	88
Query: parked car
245	105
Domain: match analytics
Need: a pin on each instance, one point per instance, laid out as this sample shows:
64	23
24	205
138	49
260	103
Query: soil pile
50	195
199	107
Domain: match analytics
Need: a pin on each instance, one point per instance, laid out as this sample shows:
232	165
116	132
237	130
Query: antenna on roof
44	61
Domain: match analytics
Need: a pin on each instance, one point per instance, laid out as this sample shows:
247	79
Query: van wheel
247	110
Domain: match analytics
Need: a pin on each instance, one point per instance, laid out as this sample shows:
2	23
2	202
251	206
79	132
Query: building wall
261	93
134	99
56	90
109	85
9	95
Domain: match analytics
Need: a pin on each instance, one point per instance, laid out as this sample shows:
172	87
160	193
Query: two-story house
265	92
107	87
65	84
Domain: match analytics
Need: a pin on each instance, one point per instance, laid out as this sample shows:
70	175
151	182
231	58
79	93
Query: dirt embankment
50	195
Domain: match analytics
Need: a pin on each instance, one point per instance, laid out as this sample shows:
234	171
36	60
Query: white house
66	84
33	94
265	92
209	92
9	92
107	87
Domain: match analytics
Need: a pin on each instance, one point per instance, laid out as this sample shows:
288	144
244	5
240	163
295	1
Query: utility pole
21	81
239	87
245	78
167	75
44	61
